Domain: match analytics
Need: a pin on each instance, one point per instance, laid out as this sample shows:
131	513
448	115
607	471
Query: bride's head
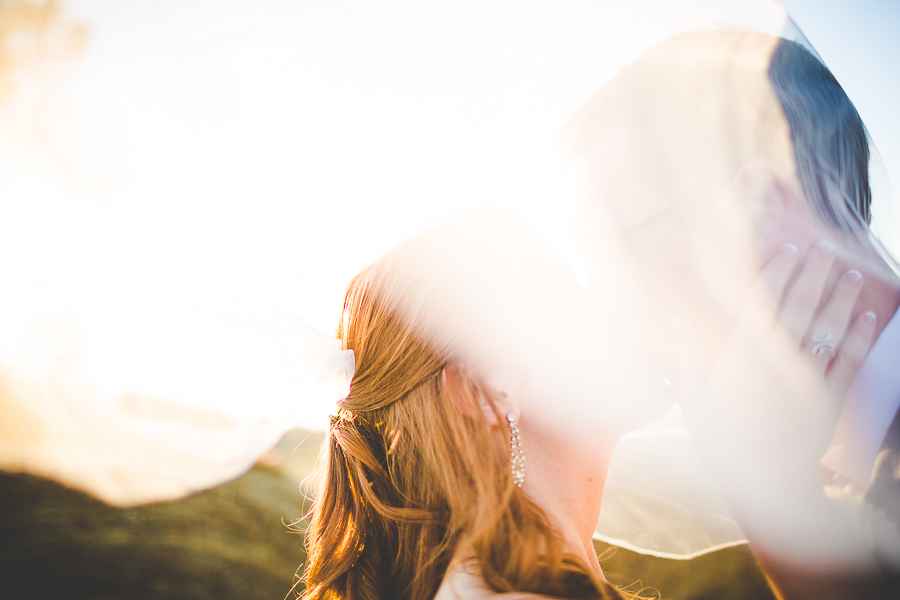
416	472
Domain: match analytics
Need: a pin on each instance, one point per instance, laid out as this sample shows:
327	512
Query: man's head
831	148
707	154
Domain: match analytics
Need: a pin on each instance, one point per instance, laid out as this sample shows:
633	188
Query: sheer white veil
185	205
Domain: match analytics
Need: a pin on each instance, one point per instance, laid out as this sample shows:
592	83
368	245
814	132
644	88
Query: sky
219	170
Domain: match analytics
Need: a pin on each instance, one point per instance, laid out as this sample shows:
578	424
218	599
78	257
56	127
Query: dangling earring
516	454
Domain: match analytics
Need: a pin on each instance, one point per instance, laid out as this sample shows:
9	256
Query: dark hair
830	141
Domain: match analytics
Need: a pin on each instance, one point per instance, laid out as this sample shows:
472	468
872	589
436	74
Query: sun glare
217	178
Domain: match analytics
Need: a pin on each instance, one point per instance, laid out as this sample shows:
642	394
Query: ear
489	415
773	199
454	381
506	388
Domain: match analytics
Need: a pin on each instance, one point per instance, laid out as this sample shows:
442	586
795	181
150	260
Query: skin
573	407
559	479
807	546
831	287
661	250
566	468
570	488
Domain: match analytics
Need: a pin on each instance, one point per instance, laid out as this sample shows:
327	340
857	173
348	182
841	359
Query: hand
837	359
764	416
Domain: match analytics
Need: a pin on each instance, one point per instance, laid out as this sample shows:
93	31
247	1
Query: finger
804	295
828	328
761	307
851	354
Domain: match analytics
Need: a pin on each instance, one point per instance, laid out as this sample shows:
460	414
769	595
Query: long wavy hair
413	475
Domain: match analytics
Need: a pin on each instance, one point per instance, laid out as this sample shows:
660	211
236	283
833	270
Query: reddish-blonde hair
412	475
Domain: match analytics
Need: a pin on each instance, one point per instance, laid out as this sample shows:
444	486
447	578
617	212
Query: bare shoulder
463	585
522	596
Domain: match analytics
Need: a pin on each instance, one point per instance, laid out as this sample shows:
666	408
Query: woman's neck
567	481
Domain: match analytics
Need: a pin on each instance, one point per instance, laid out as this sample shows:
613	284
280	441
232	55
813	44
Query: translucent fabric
188	190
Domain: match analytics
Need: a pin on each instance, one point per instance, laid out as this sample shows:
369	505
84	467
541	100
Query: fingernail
853	277
869	317
788	250
825	248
